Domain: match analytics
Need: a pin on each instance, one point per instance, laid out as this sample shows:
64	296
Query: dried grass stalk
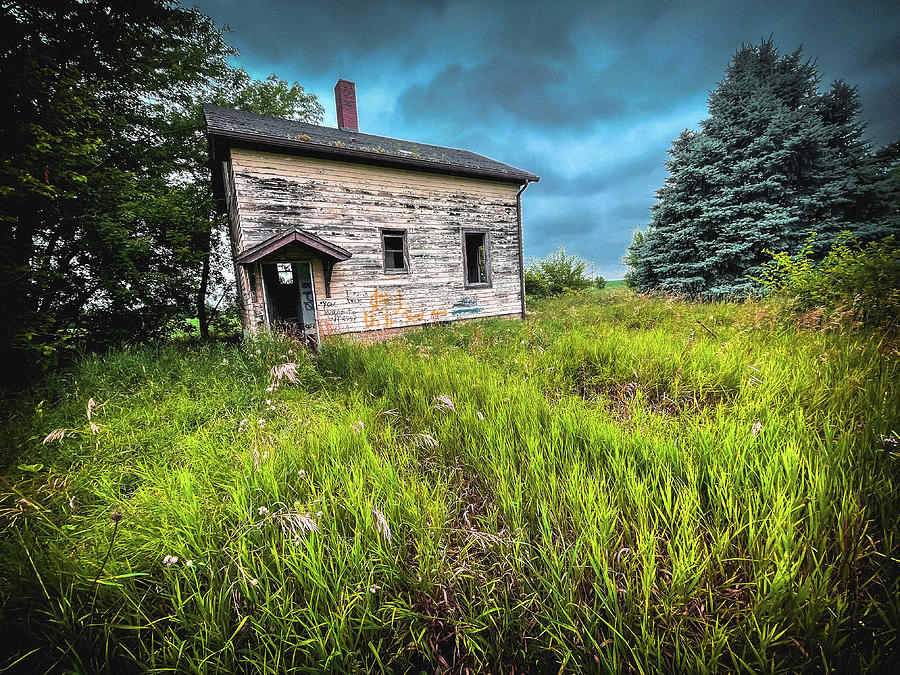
295	524
426	441
444	403
56	435
381	524
284	371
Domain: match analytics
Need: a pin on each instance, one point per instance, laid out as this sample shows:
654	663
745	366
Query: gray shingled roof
230	123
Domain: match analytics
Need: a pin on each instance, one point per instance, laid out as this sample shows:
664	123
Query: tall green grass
617	484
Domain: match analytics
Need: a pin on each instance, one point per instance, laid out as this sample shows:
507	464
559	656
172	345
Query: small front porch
281	273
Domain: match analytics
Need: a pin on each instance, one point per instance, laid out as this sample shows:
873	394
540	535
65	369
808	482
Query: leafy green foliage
535	283
223	325
610	485
107	225
557	273
632	258
859	281
775	159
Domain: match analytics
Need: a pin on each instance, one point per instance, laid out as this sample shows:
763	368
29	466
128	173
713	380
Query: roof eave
309	149
307	239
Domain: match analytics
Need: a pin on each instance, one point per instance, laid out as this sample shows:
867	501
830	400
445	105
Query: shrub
856	280
557	273
226	324
599	282
535	283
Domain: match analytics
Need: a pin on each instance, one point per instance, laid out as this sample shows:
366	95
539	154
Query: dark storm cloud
587	95
502	91
629	171
317	34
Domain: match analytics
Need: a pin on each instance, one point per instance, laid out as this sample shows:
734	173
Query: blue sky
588	95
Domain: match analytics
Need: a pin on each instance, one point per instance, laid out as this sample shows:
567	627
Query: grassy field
617	484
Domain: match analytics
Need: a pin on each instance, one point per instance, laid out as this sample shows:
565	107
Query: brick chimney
345	103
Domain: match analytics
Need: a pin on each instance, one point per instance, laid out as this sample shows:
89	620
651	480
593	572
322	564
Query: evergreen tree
775	160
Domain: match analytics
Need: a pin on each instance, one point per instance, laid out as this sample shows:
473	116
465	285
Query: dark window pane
251	280
476	258
392	243
396	260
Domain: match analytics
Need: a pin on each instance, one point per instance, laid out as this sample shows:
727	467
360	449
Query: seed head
56	435
381	524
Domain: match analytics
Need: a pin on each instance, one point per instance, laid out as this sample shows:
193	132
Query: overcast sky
589	96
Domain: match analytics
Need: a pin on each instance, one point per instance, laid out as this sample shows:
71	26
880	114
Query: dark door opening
290	298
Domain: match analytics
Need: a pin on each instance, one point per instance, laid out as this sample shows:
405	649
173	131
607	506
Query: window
285	273
476	256
393	243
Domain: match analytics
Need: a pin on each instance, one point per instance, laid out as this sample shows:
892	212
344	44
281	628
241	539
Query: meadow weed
617	484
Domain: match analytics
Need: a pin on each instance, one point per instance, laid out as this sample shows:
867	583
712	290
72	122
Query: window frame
394	232
487	258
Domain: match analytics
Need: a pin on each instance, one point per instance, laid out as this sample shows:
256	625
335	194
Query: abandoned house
337	231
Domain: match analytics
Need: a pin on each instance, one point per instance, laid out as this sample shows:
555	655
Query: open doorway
290	298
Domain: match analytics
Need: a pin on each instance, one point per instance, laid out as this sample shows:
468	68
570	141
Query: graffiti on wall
356	297
383	308
387	309
333	320
465	306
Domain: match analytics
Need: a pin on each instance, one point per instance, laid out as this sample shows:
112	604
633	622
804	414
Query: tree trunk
18	305
202	317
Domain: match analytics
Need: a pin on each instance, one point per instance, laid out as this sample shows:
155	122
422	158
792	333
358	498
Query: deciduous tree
106	222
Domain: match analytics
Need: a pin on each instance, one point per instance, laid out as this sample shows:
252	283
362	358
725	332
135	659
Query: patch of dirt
619	399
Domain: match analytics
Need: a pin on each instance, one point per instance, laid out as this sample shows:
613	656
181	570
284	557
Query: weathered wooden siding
244	297
348	205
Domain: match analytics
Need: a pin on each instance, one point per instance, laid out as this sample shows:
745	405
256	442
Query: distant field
617	484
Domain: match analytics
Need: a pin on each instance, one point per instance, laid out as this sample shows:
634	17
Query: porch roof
328	251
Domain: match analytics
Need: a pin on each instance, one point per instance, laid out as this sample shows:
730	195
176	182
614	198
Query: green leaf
31	468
